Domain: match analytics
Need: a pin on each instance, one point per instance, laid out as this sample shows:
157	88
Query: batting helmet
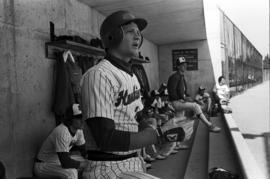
111	32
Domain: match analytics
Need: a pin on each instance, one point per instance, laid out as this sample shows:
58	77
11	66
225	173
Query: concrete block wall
203	76
27	77
152	69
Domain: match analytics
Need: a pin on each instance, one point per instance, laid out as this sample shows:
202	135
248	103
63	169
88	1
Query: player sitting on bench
222	91
204	100
54	158
181	101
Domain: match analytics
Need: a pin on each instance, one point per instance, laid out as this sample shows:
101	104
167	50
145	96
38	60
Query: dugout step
39	178
197	165
222	152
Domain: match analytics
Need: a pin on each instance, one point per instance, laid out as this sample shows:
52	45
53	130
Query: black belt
103	156
38	161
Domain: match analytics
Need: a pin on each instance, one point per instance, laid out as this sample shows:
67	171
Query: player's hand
189	99
152	122
171	131
224	101
83	165
182	101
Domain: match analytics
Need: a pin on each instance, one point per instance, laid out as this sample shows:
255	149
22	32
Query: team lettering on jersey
126	98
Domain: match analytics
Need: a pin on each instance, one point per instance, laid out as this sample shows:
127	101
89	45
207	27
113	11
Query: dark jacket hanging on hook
85	62
67	89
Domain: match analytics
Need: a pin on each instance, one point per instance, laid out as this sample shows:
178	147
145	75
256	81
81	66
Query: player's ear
141	42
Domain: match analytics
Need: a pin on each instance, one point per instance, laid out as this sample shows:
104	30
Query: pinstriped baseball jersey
126	169
59	140
110	92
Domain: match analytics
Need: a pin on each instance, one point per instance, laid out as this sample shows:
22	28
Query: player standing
110	101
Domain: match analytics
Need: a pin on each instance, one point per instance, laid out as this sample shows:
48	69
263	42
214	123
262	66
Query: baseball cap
76	110
155	93
181	60
201	88
163	85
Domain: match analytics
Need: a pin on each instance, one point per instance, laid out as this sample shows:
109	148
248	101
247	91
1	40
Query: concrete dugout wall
26	88
152	69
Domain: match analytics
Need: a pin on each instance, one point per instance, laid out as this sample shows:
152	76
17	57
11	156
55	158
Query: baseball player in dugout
181	101
54	158
111	99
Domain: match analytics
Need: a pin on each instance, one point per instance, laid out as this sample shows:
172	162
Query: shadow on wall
2	171
267	149
27	76
266	138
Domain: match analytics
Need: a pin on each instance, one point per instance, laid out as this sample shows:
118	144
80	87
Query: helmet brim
140	22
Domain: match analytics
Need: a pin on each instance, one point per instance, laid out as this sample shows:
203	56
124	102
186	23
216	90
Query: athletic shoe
165	154
148	166
148	158
160	157
174	151
214	129
181	147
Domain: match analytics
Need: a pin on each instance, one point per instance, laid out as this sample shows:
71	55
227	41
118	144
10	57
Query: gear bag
220	173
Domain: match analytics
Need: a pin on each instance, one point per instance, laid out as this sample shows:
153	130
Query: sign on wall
191	56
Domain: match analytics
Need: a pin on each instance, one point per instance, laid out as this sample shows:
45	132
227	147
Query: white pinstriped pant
131	168
53	170
44	169
182	106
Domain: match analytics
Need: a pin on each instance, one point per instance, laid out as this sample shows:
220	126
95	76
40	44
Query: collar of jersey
180	73
71	133
120	64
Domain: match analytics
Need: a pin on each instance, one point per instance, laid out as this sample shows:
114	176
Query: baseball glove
171	132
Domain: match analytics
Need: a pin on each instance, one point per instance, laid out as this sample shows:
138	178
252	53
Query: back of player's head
111	31
220	78
162	87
